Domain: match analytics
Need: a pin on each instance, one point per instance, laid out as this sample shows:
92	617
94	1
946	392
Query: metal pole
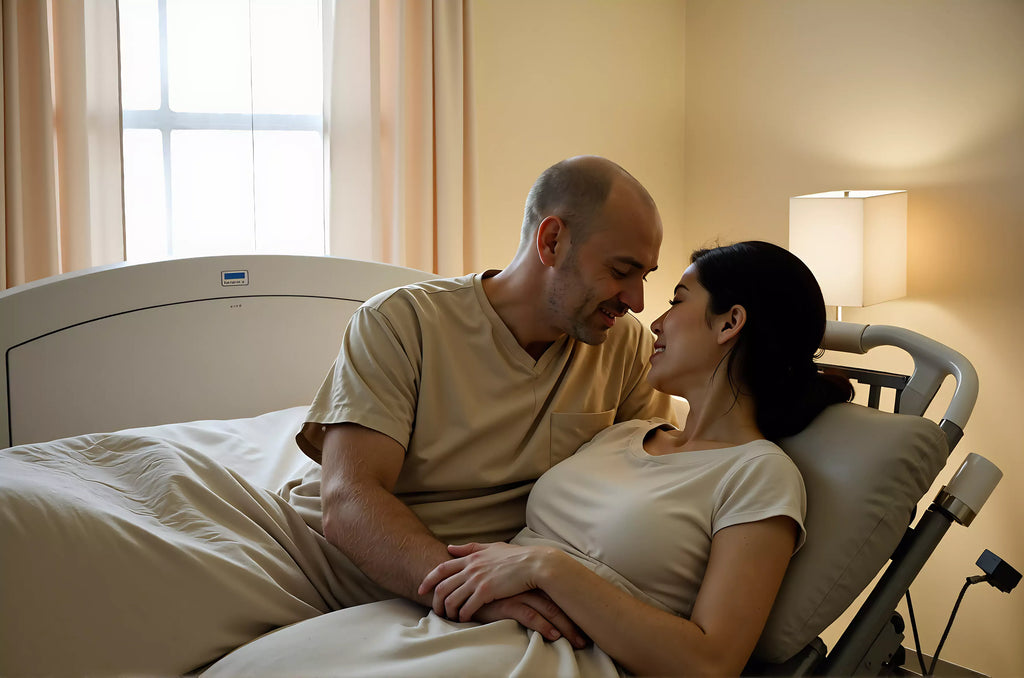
846	657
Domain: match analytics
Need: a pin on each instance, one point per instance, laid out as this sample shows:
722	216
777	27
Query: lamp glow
855	243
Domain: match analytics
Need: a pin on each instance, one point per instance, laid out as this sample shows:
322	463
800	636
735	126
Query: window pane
145	207
287	65
289	193
231	190
208	56
140	54
211	189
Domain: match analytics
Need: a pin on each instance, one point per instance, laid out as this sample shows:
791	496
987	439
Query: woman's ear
551	232
731	322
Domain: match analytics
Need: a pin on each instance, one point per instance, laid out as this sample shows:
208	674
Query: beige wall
556	79
790	97
798	96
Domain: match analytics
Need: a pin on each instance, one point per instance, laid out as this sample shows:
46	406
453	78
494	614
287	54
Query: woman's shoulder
761	447
763	459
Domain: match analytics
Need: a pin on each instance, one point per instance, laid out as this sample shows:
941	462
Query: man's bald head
575	191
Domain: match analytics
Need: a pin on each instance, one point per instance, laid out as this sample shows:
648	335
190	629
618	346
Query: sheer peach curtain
400	139
61	190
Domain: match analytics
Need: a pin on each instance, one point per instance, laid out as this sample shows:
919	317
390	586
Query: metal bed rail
933	362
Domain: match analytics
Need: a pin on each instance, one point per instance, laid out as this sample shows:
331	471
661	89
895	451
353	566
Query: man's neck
517	299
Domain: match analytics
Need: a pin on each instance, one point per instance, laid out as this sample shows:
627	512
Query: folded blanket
134	554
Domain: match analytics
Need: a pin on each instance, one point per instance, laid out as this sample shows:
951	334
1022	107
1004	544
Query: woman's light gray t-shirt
646	522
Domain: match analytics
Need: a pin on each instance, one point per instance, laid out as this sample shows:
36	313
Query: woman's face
686	349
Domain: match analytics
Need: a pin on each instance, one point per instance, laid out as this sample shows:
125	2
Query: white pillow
865	471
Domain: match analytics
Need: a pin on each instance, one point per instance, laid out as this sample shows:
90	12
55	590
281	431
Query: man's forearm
384	539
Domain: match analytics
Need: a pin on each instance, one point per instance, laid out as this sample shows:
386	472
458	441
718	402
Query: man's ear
731	322
552	235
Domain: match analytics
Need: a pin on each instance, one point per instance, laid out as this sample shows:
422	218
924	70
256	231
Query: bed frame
137	345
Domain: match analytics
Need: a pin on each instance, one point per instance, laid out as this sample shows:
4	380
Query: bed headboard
205	338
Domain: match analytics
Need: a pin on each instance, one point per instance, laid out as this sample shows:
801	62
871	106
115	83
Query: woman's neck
718	417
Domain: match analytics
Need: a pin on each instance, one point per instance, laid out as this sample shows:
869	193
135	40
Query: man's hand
487	582
536	611
481	573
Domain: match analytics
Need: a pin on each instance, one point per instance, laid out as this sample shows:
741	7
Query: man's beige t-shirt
432	366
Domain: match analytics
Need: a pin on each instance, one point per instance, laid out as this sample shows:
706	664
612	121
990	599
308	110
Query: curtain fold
61	192
395	102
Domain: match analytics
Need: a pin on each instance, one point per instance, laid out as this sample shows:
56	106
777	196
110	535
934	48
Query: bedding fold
400	639
132	554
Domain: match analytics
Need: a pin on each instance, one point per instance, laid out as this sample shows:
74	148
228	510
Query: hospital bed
237	345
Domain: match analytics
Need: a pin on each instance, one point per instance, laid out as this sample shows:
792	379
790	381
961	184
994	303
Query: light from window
223	127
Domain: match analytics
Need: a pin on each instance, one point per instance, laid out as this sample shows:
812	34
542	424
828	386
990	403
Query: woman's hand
481	573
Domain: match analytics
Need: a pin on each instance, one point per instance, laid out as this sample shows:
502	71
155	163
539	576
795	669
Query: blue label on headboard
234	278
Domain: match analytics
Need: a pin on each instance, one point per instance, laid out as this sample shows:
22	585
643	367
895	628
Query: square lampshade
855	243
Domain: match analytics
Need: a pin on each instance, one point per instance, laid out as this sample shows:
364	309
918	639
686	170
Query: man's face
603	278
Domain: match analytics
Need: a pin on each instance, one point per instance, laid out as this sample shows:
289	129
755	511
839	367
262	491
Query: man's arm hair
363	517
388	542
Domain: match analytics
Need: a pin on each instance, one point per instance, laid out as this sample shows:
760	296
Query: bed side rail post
959	501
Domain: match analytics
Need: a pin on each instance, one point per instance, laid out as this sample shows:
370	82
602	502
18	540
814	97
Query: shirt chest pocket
569	430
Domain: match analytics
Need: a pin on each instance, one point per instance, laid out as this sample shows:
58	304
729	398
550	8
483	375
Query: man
449	398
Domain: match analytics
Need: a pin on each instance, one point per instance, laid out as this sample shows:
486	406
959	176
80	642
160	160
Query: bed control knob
969	489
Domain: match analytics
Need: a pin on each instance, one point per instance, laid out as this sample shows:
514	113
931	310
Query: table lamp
855	243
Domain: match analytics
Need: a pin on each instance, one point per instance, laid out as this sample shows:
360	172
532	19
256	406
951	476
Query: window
222	105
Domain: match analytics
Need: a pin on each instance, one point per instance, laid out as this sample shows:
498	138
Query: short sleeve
373	383
762	487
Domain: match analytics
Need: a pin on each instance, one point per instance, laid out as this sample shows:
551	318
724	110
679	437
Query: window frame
166	120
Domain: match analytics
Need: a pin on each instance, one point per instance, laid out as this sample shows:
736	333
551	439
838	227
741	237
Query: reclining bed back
865	472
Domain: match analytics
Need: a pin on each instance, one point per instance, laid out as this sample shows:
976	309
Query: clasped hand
498	581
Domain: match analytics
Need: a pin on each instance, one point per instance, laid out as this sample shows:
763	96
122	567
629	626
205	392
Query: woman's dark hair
774	351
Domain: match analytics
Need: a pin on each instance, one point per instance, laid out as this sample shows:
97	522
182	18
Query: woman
666	547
